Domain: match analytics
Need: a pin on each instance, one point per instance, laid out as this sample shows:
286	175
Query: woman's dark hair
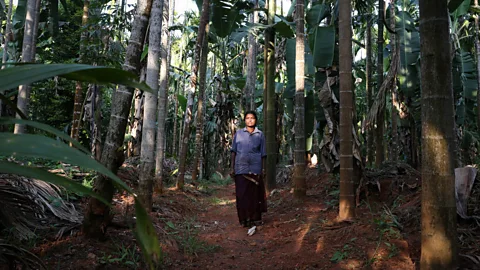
250	112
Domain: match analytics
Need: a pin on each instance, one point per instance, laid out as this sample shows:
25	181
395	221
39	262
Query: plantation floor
198	229
296	235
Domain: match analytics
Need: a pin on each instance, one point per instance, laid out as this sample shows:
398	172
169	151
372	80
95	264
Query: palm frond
18	258
29	205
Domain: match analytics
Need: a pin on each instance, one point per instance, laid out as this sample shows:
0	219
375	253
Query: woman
248	170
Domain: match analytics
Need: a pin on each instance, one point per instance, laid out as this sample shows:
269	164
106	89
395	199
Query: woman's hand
232	173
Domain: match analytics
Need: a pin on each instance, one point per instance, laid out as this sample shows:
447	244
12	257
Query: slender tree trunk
251	65
198	153
191	93
8	34
370	146
28	42
379	148
271	143
300	186
53	18
439	217
147	158
97	131
181	125
136	129
395	48
171	21
477	48
97	215
78	99
347	194
162	97
35	30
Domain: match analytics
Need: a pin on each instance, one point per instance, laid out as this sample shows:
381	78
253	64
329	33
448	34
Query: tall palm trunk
27	56
379	149
134	146
181	125
147	157
200	118
171	21
78	99
251	65
477	48
395	48
439	217
162	96
300	186
53	18
191	93
8	34
368	83
97	215
347	198
270	119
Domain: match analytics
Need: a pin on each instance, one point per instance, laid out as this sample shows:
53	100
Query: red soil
199	229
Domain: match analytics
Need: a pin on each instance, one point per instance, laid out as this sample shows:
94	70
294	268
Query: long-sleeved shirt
249	149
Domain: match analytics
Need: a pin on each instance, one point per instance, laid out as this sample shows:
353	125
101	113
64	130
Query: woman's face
250	120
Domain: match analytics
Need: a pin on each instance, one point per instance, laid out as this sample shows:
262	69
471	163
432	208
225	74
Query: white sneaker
252	230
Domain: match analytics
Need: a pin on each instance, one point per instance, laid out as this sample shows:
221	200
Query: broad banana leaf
322	42
409	53
227	16
19	16
465	75
284	29
459	7
316	14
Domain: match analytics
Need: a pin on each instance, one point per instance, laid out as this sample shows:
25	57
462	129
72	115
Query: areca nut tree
347	198
162	95
27	56
439	217
147	156
300	186
269	102
204	19
97	215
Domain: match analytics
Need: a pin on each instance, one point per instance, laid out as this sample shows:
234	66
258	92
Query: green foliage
342	254
226	16
37	146
409	39
124	255
15	76
322	42
186	234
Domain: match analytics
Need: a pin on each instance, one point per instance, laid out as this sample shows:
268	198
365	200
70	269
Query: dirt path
199	229
294	237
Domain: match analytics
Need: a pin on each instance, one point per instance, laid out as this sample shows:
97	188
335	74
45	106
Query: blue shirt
249	149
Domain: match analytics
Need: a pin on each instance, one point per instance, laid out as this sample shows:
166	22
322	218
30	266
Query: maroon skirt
250	198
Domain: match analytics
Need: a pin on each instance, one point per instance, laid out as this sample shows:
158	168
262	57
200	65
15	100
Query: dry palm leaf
29	205
379	103
18	258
